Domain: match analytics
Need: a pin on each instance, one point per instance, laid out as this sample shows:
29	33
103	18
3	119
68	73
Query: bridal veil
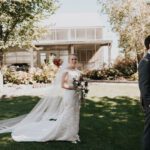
49	107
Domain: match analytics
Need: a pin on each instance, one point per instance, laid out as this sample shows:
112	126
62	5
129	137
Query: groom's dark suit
144	85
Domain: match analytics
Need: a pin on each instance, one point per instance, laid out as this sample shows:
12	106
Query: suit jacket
144	81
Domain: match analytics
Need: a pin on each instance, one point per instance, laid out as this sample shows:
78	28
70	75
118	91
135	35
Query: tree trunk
1	57
1	74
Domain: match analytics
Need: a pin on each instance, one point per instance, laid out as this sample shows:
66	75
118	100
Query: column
109	54
31	58
38	59
4	59
95	56
72	49
35	58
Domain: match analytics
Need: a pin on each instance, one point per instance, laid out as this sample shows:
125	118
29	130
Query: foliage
134	77
122	69
126	66
131	20
19	20
104	74
35	75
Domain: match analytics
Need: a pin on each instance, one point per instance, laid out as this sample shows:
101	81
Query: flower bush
35	75
134	77
126	66
122	69
104	74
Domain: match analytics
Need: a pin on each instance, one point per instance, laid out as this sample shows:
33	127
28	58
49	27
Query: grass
106	124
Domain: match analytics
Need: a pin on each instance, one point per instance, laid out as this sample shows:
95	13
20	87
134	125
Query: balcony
71	35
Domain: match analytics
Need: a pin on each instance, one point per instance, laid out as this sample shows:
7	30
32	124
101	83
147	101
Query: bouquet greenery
81	86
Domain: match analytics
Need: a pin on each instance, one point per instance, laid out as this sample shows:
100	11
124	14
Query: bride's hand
66	86
72	88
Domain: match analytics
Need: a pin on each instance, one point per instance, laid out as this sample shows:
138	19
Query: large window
71	34
52	35
61	34
42	58
98	33
80	34
90	34
17	57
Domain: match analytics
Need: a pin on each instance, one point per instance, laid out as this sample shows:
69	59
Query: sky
91	6
78	6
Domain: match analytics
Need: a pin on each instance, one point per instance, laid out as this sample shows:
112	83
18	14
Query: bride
56	116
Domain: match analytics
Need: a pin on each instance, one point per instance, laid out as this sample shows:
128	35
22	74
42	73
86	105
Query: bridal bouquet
82	87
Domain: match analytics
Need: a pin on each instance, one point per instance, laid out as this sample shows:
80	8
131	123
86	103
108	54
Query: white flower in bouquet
82	87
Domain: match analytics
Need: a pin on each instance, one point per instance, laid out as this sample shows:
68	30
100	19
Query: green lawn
106	124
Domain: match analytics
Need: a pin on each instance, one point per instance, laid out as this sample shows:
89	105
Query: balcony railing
73	34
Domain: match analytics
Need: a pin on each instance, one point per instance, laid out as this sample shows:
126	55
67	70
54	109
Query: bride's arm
64	83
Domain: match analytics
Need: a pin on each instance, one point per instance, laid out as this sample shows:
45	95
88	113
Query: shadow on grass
15	106
109	124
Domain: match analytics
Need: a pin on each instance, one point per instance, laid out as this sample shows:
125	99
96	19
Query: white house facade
79	33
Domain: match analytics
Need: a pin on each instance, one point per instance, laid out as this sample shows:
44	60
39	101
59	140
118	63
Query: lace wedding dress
55	117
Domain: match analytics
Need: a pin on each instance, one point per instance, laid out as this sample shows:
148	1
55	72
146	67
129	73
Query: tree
19	22
131	20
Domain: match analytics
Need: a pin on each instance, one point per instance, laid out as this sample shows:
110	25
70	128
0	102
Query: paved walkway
114	89
18	90
95	89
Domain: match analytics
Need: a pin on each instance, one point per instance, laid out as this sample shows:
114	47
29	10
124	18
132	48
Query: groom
144	85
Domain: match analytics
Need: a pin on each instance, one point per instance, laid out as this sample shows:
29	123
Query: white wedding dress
55	117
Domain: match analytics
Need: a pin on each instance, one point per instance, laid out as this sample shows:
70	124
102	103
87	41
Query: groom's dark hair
147	42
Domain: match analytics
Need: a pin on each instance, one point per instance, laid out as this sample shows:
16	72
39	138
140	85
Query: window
90	34
80	34
51	36
72	34
61	34
98	33
42	57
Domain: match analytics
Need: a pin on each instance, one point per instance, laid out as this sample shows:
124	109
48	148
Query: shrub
134	77
126	66
35	75
104	74
122	69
